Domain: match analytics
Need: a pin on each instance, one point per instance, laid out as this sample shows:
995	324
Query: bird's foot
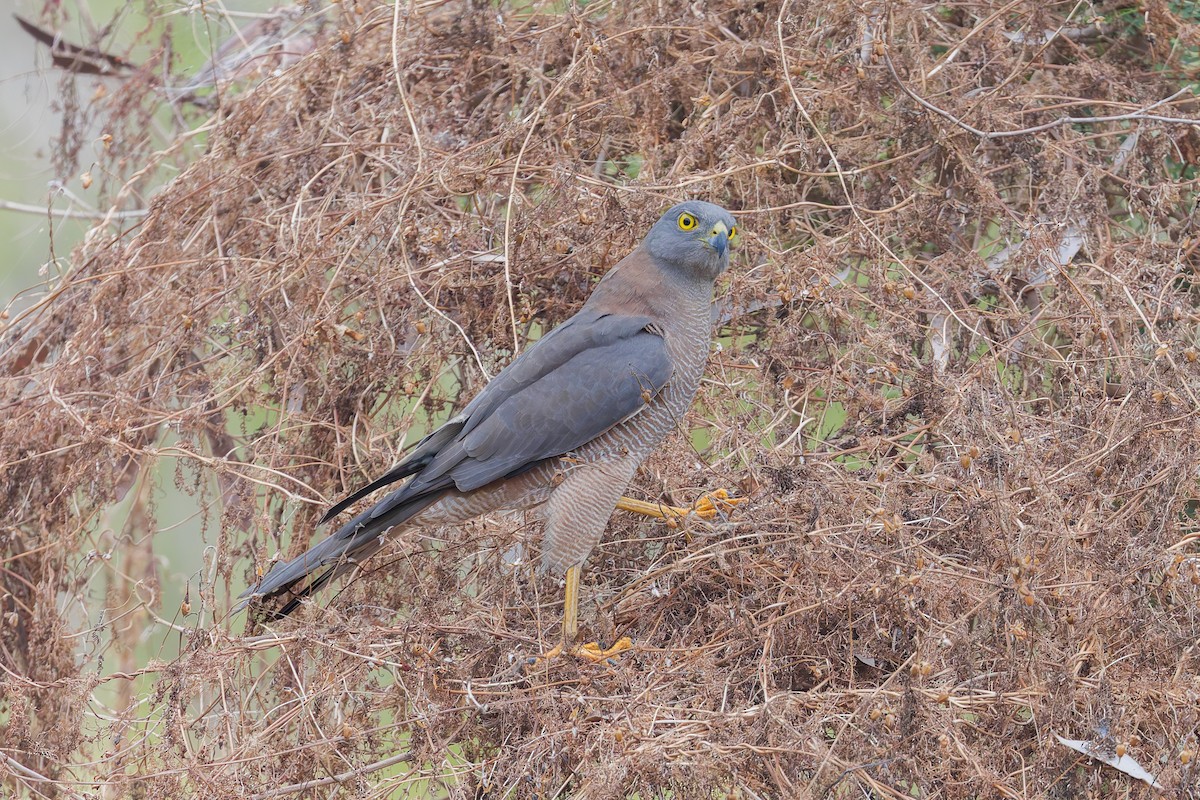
534	662
718	502
707	507
591	652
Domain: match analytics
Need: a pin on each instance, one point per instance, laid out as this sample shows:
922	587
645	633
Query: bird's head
694	239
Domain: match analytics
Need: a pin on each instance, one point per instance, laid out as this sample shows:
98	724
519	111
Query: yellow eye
733	232
687	222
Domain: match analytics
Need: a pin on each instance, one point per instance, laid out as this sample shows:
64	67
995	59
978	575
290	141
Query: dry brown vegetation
957	382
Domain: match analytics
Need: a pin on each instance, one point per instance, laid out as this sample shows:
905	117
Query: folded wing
588	375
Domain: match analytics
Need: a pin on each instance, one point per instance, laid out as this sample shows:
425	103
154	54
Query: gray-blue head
693	238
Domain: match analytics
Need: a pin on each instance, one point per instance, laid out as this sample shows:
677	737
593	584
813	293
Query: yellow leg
590	651
706	507
571	608
656	510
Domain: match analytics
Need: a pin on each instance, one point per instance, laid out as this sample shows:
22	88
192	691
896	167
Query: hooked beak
719	238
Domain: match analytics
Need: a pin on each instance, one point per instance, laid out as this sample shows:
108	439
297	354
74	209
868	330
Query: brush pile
957	380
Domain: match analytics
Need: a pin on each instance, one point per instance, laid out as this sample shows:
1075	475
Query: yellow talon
709	505
591	652
537	661
594	653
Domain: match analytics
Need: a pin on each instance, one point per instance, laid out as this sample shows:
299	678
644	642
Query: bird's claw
535	661
591	652
594	653
707	507
713	503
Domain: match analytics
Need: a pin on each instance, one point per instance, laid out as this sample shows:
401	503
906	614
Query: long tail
352	543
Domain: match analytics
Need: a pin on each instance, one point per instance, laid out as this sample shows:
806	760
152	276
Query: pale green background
30	88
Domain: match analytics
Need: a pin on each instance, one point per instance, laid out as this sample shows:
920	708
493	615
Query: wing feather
565	409
591	373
